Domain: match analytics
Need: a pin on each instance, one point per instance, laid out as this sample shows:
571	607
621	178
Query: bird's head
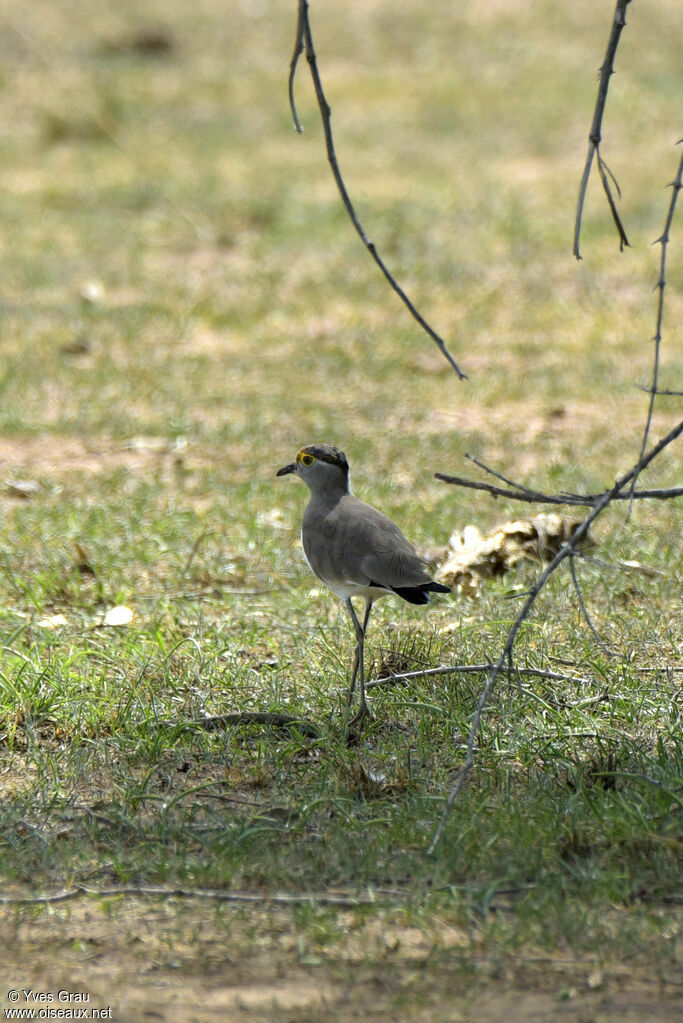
320	466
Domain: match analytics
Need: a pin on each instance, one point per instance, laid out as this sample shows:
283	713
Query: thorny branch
663	240
304	42
595	137
566	551
519	493
660	392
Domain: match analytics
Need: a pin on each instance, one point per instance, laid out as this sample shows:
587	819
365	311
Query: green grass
238	317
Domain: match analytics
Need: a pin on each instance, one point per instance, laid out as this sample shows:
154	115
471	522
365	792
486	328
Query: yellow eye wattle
307	460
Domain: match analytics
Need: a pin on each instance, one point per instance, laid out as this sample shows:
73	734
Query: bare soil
188	963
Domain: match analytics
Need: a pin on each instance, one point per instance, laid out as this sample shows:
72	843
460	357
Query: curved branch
663	240
606	71
470	669
304	40
596	636
298	50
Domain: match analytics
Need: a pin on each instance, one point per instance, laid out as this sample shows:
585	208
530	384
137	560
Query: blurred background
184	300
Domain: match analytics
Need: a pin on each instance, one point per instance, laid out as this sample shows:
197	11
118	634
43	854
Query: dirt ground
186	963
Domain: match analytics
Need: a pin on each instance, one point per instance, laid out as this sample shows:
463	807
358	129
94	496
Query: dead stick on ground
153	891
247	717
470	669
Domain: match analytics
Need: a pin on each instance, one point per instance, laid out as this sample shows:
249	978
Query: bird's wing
369	547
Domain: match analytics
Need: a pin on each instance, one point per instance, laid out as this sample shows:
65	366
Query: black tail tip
420	594
437	588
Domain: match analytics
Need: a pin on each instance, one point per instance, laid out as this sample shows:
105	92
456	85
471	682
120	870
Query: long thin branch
471	669
519	493
499	476
606	72
298	50
304	41
660	392
218	895
663	240
567	550
584	610
340	899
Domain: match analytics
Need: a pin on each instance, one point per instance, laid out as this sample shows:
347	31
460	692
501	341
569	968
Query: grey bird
353	548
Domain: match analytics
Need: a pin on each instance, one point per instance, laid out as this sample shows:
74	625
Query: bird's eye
307	459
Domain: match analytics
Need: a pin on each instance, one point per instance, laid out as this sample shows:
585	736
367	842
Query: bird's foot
362	714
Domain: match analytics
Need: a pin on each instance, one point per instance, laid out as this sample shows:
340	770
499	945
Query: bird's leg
364	709
354	673
359	643
354	670
358	660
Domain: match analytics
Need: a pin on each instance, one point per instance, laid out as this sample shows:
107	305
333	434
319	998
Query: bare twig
606	71
304	41
499	476
667	669
605	176
659	392
663	240
471	669
298	50
217	895
195	547
519	493
575	579
340	898
567	550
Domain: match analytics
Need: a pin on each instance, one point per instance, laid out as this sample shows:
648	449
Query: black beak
286	469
